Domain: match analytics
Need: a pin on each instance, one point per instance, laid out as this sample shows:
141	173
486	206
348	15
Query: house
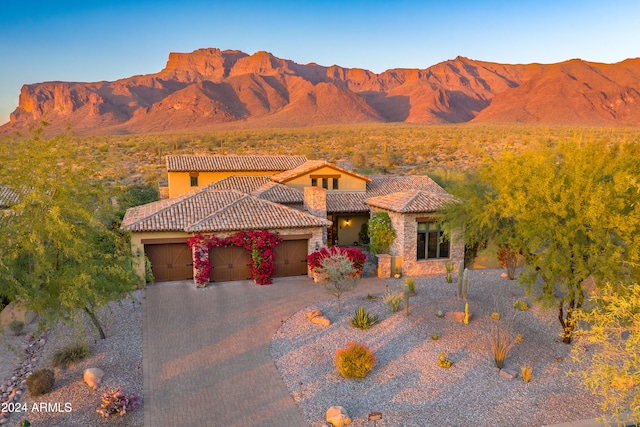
309	203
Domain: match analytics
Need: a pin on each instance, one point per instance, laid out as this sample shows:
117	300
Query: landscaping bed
72	402
408	387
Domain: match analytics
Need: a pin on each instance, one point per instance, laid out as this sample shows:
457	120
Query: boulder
93	377
321	320
313	313
457	316
508	373
338	417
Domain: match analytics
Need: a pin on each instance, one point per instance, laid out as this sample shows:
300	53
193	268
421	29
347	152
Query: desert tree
608	339
381	232
338	275
572	211
59	252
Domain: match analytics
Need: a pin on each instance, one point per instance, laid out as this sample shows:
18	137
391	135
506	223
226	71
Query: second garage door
290	258
229	264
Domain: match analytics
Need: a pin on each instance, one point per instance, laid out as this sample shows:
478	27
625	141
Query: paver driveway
206	352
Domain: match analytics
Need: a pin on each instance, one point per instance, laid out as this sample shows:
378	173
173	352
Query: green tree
381	233
59	252
611	334
573	211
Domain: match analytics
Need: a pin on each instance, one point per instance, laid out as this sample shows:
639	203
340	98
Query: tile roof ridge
223	208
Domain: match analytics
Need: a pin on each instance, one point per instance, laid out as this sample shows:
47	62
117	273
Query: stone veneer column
384	266
315	202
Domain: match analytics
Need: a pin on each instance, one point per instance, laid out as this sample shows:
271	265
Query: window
314	182
193	180
325	183
335	183
431	243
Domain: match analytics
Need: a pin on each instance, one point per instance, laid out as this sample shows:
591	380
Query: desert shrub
521	305
411	283
501	342
148	271
526	371
70	354
495	315
16	327
392	300
115	402
381	233
362	319
40	382
355	360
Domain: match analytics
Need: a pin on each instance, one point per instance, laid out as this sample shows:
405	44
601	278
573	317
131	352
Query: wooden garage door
290	258
170	261
229	263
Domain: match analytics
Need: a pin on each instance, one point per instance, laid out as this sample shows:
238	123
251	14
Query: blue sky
92	41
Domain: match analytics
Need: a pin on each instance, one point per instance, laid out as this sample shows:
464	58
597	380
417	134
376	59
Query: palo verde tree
609	339
58	250
573	212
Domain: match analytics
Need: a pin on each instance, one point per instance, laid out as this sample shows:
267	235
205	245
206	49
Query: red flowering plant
260	244
354	255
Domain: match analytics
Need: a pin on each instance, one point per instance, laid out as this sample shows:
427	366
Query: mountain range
212	89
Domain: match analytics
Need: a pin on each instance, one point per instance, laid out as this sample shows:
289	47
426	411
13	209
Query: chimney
315	201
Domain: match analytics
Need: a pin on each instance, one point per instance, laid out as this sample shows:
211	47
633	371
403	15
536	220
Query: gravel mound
119	356
409	387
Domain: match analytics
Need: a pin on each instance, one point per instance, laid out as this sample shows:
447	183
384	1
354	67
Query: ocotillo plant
460	270
406	300
465	283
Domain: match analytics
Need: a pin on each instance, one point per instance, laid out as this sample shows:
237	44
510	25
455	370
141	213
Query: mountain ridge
210	88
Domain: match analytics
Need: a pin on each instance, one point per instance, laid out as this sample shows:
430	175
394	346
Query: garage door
229	263
170	261
290	258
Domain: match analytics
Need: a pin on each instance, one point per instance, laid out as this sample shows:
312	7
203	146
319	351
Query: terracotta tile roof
411	201
260	186
232	163
210	210
8	196
354	202
310	166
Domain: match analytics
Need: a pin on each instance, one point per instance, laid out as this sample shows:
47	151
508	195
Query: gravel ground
119	356
408	386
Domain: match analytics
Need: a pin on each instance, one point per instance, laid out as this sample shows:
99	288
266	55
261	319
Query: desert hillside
212	89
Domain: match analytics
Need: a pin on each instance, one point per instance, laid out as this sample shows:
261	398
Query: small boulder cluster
317	317
13	387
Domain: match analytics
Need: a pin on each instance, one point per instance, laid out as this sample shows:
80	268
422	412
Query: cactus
465	283
466	313
448	266
443	362
406	300
460	270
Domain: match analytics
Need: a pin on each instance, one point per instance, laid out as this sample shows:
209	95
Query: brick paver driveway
206	352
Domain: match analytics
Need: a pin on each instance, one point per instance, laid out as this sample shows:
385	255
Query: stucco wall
346	182
347	234
180	182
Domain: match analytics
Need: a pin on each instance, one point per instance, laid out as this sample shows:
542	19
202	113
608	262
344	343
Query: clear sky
90	40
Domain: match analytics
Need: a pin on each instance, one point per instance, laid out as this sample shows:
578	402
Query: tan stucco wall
180	182
349	234
346	182
404	247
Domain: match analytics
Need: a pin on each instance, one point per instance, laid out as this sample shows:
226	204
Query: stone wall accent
384	266
405	246
315	202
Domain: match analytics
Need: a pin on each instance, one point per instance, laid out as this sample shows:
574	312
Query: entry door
290	258
170	261
229	264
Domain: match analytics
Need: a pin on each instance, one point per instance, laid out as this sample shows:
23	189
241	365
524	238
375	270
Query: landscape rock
93	377
457	316
508	373
338	416
314	313
321	320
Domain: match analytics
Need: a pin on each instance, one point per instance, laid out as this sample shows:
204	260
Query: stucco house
310	203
